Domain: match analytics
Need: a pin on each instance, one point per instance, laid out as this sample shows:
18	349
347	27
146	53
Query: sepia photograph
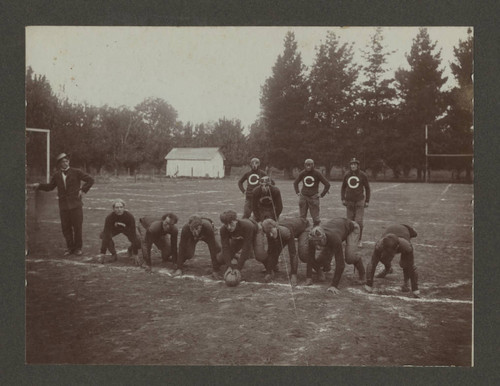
249	196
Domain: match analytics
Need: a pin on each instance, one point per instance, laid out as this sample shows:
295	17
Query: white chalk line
385	188
210	280
408	299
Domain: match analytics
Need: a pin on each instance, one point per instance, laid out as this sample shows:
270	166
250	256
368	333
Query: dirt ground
82	312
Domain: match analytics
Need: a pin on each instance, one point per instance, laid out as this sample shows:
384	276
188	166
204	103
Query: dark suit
70	203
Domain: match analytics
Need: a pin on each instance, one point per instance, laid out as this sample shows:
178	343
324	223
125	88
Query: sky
204	73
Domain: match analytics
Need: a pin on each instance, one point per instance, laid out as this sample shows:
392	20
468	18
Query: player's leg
358	217
77	224
247	207
314	209
351	255
67	231
303	206
410	274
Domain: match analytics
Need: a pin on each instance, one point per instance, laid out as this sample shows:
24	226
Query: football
232	277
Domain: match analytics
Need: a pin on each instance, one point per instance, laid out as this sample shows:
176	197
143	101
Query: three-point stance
252	178
266	201
279	235
156	233
241	234
354	186
327	240
68	182
120	221
309	195
198	228
396	239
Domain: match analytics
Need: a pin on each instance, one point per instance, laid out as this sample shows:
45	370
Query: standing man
252	178
156	233
266	201
119	221
241	234
279	235
69	191
353	190
327	240
396	239
309	196
198	229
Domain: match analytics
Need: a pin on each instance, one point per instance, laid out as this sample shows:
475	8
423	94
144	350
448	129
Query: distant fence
236	172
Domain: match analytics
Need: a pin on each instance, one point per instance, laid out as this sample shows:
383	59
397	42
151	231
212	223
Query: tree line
331	112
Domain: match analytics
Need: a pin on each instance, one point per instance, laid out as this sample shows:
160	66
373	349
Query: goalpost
427	155
47	155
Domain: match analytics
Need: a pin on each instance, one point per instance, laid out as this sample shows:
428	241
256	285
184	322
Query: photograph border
218	13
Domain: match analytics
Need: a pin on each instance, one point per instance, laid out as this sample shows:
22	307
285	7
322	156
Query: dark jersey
119	223
252	178
310	183
246	230
354	185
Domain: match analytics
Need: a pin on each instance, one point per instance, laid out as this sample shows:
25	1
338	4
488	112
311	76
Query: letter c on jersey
353	182
253	179
309	181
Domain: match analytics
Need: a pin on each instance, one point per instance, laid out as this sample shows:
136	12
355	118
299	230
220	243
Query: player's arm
248	233
372	265
278	203
185	236
326	184
339	264
343	188
296	182
208	234
367	189
47	187
292	252
106	234
226	246
241	181
174	234
87	179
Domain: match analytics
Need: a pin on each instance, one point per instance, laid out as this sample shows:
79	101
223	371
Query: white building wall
196	168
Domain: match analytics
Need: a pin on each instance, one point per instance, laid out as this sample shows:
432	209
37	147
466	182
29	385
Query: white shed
195	162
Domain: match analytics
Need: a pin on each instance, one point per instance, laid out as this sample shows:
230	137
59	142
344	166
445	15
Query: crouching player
279	235
266	201
327	240
396	239
198	228
156	231
241	234
120	221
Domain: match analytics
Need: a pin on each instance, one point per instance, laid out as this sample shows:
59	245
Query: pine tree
422	101
283	100
376	111
456	127
332	106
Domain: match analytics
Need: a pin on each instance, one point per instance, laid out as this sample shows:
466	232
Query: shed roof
193	153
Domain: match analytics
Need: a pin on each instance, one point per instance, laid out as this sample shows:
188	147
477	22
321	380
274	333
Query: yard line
386	187
209	280
165	194
428	246
409	299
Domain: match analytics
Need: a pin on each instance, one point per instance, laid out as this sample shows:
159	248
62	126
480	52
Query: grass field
79	311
